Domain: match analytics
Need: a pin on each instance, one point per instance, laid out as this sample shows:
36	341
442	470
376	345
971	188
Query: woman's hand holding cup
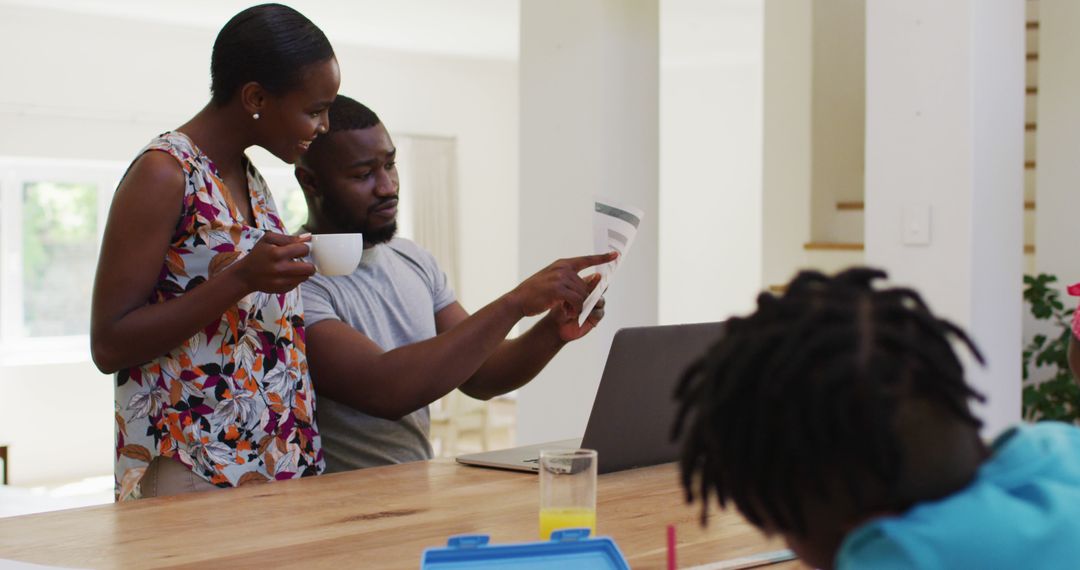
275	264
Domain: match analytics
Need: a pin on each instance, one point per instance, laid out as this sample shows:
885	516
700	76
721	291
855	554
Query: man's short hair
346	114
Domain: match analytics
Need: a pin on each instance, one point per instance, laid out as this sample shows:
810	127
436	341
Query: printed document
614	228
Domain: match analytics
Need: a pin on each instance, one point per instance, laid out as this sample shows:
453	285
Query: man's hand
558	286
567	324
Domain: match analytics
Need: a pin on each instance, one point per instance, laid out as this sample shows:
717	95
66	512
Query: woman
196	307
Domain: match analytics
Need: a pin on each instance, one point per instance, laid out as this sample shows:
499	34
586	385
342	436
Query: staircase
832	256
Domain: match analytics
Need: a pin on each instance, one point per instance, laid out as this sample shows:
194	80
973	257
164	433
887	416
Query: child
837	416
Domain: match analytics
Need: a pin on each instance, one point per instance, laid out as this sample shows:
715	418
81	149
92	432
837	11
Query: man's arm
518	361
349	368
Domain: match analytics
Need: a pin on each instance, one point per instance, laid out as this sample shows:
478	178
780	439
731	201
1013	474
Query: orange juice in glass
567	490
557	519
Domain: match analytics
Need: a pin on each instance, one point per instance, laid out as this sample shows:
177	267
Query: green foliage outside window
293	209
59	252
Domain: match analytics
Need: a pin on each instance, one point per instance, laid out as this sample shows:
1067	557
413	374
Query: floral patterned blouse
234	403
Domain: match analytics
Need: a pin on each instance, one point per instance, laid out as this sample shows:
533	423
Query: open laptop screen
635	407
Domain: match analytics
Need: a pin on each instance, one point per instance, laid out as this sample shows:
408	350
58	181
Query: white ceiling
691	30
470	28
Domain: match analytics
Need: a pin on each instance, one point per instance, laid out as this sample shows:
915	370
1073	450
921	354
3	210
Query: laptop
634	410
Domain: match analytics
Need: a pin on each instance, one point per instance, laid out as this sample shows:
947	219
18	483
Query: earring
255	116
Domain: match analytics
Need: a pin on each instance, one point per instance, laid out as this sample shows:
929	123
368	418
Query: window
288	197
58	238
52	214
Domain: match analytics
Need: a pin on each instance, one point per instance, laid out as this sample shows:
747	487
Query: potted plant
1054	395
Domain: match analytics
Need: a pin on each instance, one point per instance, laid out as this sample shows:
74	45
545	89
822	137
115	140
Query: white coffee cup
336	254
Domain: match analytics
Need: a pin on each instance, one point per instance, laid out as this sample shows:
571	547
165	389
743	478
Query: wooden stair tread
833	246
859	205
854	246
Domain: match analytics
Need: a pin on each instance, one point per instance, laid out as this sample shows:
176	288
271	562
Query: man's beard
351	225
381	235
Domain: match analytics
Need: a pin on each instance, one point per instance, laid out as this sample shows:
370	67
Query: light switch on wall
915	224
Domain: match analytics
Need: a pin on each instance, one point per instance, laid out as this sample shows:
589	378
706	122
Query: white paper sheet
614	227
752	561
17	565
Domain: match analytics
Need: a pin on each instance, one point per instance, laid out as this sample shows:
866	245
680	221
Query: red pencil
671	547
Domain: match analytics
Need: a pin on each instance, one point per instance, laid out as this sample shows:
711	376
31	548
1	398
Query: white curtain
427	167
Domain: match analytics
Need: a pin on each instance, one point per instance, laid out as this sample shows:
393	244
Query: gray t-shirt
392	298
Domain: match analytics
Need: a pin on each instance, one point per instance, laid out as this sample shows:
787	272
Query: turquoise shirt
1022	511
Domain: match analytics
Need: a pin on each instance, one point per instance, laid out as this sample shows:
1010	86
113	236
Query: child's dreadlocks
802	395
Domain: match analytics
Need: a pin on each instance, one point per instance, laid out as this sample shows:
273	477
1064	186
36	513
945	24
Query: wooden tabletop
373	518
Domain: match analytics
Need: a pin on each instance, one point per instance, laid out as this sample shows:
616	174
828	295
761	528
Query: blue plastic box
570	548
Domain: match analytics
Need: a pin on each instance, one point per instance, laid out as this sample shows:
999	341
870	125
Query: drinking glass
567	490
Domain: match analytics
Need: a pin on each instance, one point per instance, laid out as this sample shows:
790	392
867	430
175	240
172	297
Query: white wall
595	132
475	102
838	113
114	96
786	138
1058	141
84	86
944	124
710	158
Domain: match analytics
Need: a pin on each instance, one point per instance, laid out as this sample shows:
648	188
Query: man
388	339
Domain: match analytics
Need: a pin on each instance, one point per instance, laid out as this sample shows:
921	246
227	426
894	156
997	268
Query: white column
1057	143
786	138
944	144
710	158
589	125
